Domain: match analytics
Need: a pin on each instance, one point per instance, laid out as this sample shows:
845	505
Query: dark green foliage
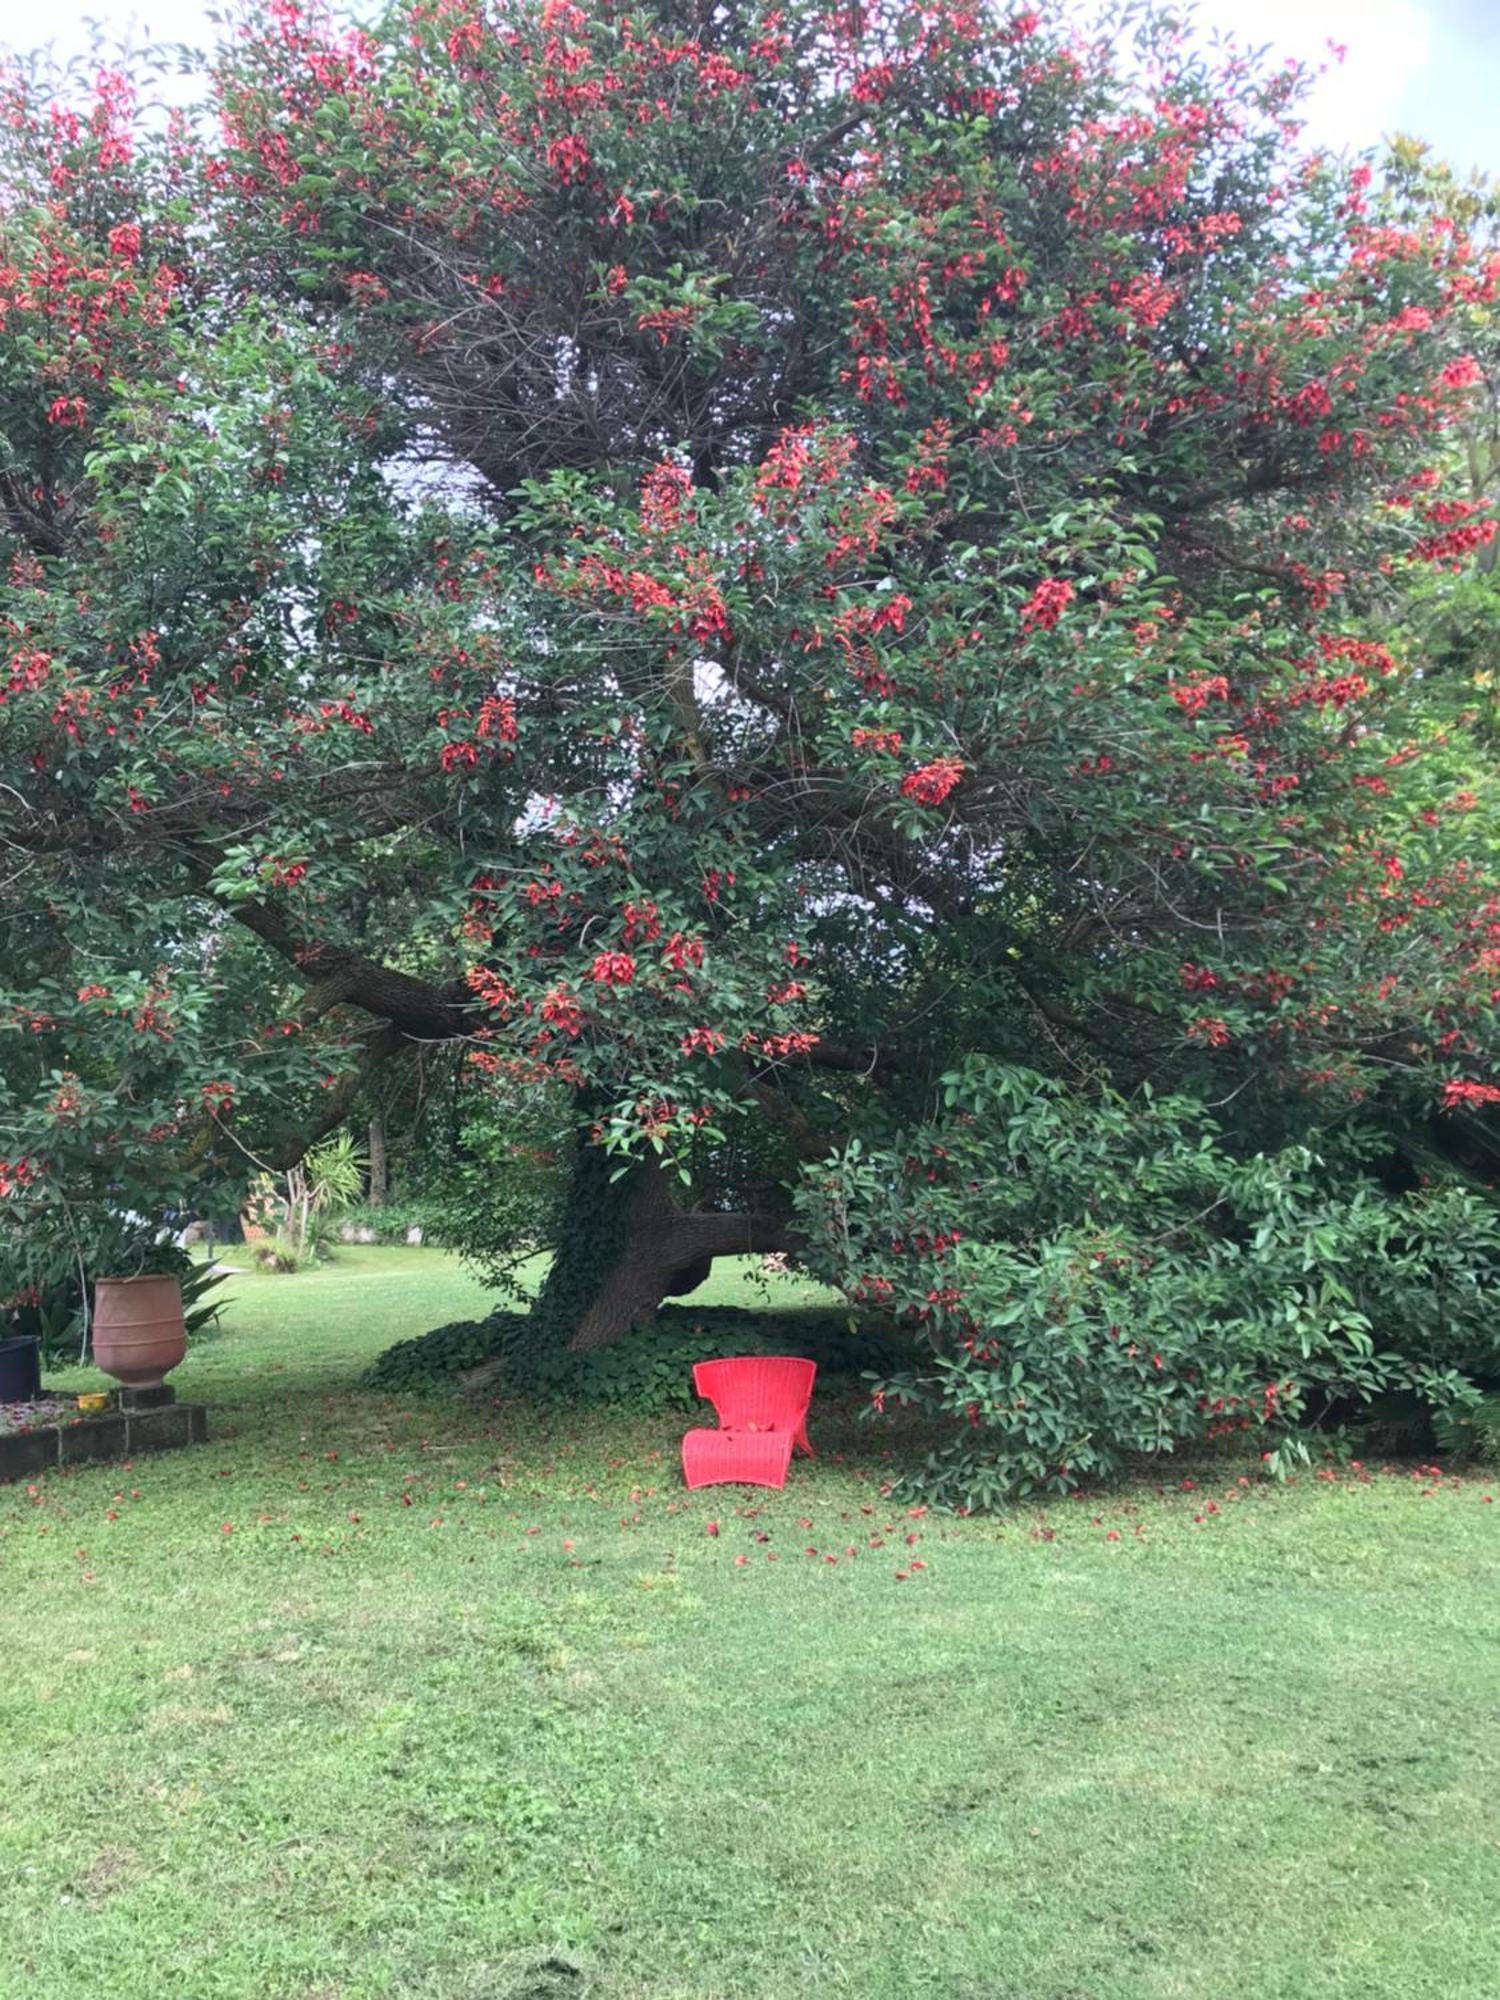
489	1176
447	1351
652	1369
1404	1425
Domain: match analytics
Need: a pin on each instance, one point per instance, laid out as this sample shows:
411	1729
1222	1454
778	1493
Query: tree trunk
377	1162
667	1251
626	1244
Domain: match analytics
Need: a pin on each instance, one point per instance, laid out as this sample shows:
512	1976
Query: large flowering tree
722	559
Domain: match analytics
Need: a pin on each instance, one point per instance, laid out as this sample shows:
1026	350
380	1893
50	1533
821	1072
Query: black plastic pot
20	1368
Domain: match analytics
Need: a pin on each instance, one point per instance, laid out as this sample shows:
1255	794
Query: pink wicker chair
761	1403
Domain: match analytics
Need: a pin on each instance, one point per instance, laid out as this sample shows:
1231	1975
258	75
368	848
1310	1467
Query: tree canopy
718	562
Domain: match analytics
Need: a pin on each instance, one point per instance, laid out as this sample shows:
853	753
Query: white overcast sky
1426	67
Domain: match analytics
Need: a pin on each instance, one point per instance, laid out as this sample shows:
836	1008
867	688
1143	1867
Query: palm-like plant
327	1179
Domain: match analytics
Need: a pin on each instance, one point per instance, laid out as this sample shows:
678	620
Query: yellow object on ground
96	1399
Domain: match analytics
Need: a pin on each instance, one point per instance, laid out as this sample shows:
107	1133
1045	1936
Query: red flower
1463	1090
1046	604
931	783
1192	697
613	968
886	741
701	1041
1214	1033
14	1174
497	718
561	1010
568	158
681	951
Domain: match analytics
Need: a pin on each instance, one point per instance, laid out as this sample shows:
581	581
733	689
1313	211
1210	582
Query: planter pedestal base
147	1399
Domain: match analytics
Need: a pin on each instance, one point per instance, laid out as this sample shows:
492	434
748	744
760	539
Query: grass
447	1700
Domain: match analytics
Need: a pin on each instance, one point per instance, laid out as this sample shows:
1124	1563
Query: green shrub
1093	1279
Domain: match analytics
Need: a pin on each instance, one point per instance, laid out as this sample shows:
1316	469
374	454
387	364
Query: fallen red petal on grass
740	1561
712	1528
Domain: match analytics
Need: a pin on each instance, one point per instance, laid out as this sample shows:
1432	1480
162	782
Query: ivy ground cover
456	1701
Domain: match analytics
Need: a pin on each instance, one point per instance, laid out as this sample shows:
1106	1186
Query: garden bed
51	1430
39	1411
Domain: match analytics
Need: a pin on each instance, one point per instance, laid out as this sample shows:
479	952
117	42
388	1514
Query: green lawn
453	1701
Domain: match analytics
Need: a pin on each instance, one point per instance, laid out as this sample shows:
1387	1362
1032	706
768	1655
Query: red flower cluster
27	670
497	719
701	1041
931	783
1046	604
613	968
15	1175
494	991
681	951
1464	1090
1192	697
1209	1030
568	158
787	1045
561	1010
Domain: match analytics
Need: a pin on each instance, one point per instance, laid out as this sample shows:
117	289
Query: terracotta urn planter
139	1335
